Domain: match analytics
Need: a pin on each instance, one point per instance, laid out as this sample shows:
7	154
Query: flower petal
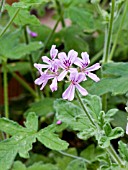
53	86
53	52
78	62
81	90
69	92
46	60
39	81
93	77
72	55
62	56
85	58
62	75
81	77
93	67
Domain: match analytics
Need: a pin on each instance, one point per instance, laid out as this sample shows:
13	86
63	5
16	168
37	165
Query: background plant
99	28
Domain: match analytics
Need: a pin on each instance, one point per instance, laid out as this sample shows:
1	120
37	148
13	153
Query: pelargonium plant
69	67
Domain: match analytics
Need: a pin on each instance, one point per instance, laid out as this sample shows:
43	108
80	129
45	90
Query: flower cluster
57	68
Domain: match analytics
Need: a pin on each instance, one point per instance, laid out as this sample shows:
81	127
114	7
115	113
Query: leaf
71	114
76	164
36	166
29	3
10	46
116	80
22	67
104	140
41	166
18	166
32	122
123	150
93	105
80	17
10	127
42	108
91	153
62	161
120	119
23	138
51	140
20	142
23	49
23	17
73	38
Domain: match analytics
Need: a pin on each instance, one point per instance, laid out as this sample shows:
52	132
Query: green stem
48	39
119	30
108	43
104	102
84	108
23	83
96	57
30	55
6	105
73	156
110	149
10	22
115	156
31	62
1	6
60	12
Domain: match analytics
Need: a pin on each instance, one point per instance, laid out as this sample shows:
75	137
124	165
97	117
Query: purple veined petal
53	86
72	55
69	93
81	90
93	76
85	58
53	52
81	77
73	75
46	60
62	57
78	62
62	75
93	67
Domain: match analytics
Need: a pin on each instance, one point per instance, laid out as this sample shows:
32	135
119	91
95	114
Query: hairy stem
6	105
60	12
109	35
84	108
10	22
119	30
115	156
73	156
48	39
31	62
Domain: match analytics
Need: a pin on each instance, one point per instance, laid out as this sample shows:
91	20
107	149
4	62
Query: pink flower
58	122
66	62
54	75
31	33
75	79
84	62
51	62
43	79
